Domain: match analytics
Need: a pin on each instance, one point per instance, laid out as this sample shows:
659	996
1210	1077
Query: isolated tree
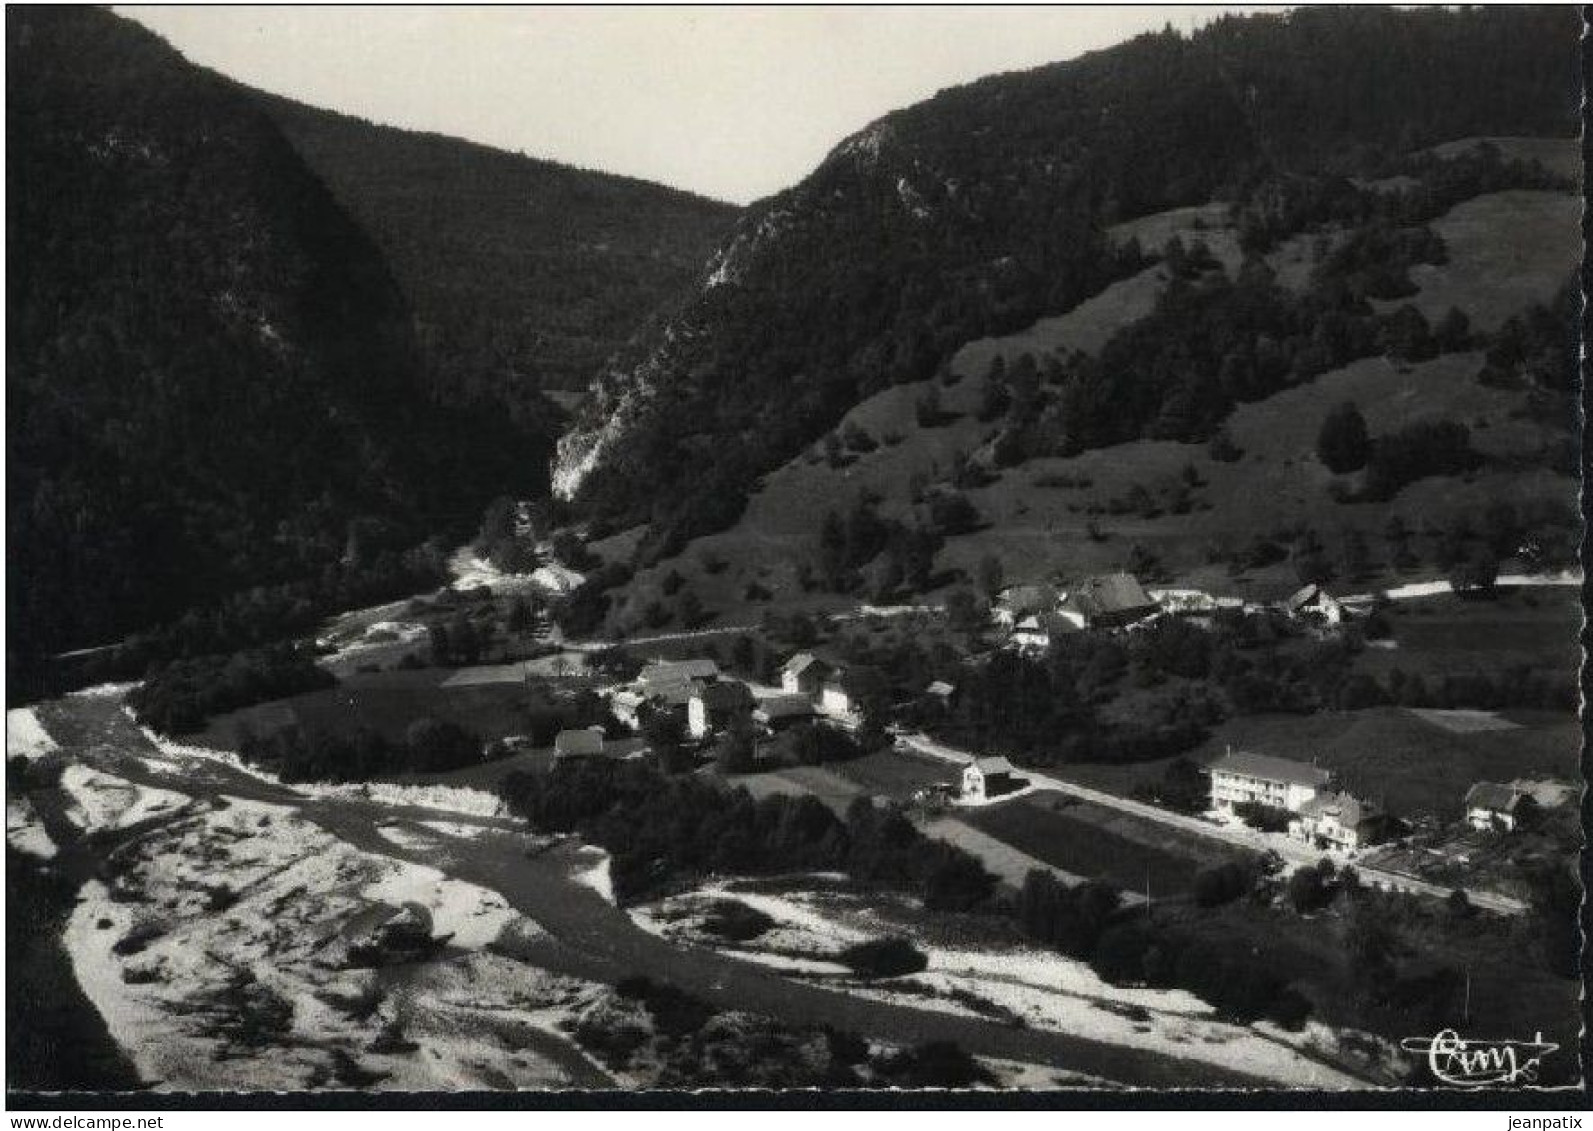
735	751
1453	332
1342	444
1405	335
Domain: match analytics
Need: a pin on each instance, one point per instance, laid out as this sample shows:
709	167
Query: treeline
257	616
1517	686
208	390
428	746
863	549
1083	922
659	829
1063	707
1213	342
1418	187
180	697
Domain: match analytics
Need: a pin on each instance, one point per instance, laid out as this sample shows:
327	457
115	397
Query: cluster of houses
1328	818
709	703
1035	615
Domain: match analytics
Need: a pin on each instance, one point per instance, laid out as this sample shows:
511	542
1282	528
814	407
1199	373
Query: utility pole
1147	892
1465	1011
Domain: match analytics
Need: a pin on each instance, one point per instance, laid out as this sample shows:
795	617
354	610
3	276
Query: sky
731	102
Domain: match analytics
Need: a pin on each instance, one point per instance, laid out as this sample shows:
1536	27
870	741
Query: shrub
884	958
1222	884
1267	818
1342	443
736	921
938	1064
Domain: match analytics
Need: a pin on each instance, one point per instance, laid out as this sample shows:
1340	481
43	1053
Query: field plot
1507	250
388	703
1101	844
886	773
1409	764
1446	634
1559	155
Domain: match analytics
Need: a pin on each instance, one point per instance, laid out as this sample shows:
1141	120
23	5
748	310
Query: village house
941	694
985	778
625	705
1494	805
1336	821
586	742
1115	600
1240	776
804	674
835	697
1035	633
1314	603
778	712
665	672
672	696
1016	602
715	706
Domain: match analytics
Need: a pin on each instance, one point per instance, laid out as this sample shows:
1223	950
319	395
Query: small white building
1036	633
626	705
804	674
1336	821
984	778
1493	805
1314	603
586	742
1240	776
1017	602
835	698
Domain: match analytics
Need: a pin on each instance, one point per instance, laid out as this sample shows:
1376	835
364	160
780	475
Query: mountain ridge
878	277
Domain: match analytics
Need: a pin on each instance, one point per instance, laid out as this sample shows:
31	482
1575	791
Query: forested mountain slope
985	207
523	275
212	381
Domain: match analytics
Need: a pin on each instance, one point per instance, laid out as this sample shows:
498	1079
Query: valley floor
217	909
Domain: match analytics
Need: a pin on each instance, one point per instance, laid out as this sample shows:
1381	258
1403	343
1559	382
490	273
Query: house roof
1304	595
675	693
803	661
1109	593
1024	599
586	740
1350	811
677	671
1492	795
785	707
727	696
1270	768
940	687
992	765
